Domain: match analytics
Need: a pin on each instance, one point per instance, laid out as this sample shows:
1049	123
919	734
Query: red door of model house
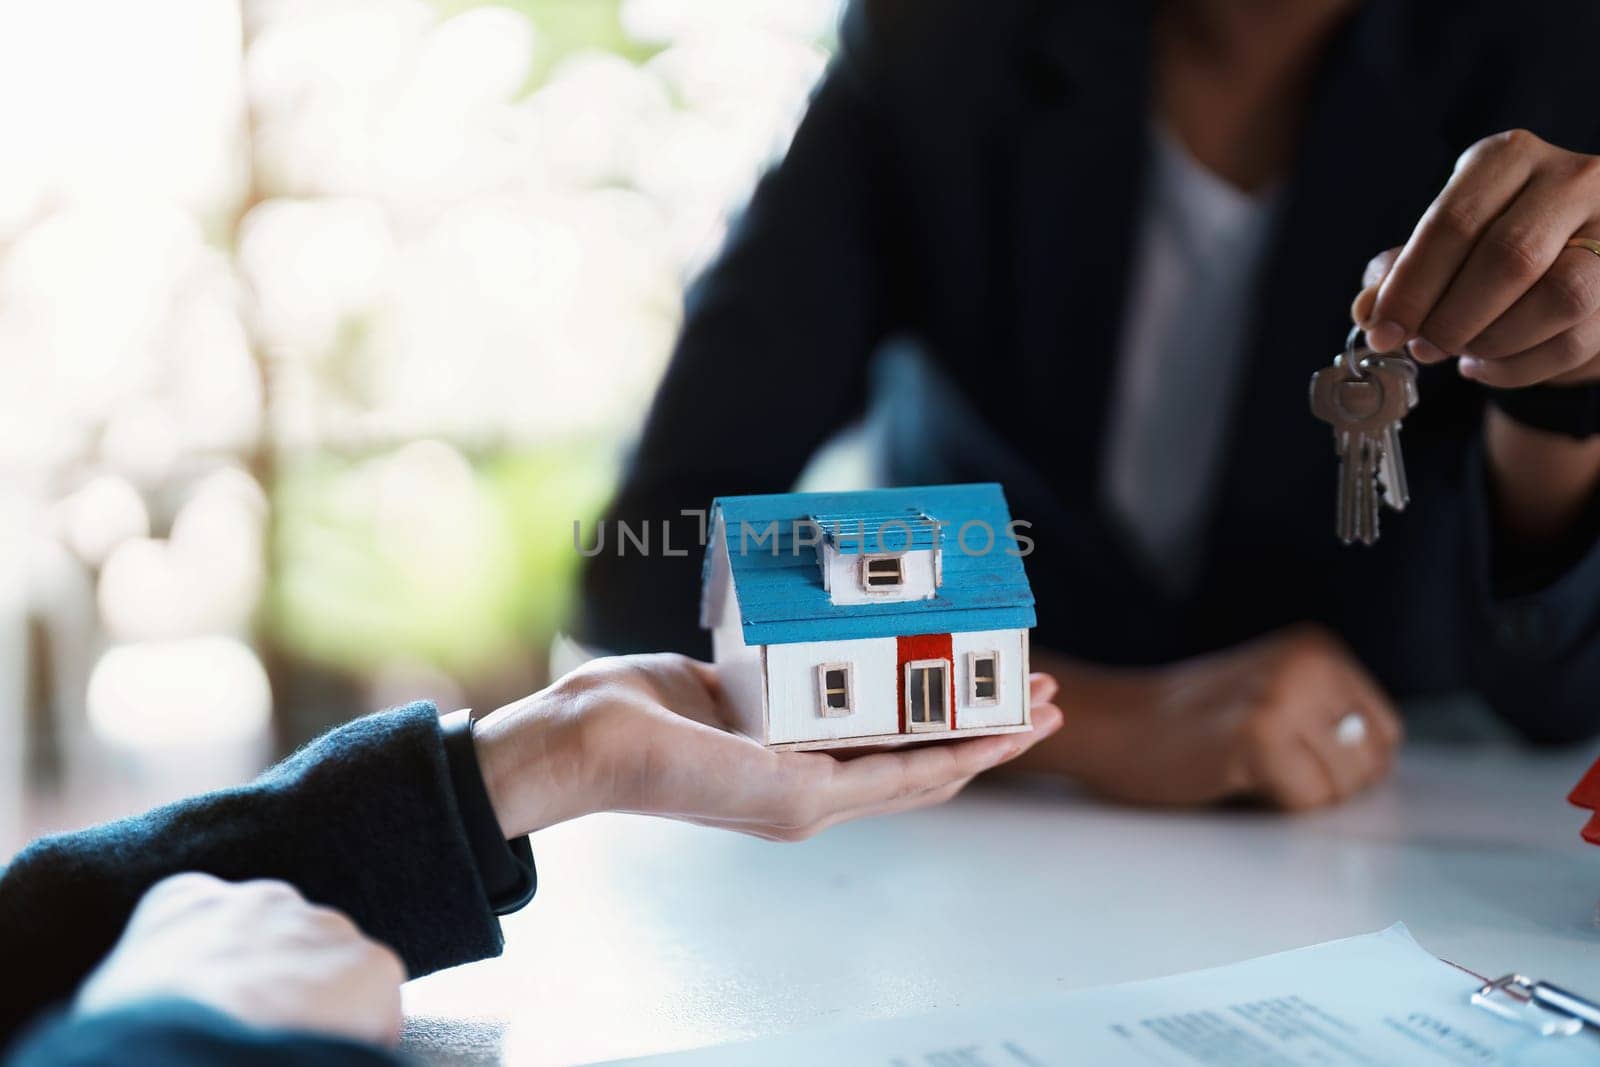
926	688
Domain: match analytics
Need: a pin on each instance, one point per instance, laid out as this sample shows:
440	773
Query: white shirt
1200	248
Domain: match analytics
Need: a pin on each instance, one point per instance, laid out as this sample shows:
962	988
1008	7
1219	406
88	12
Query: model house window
882	572
983	678
927	689
836	689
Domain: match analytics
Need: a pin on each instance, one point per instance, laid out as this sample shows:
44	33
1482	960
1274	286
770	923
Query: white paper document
1376	999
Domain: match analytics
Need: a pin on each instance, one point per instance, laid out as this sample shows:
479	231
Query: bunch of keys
1363	396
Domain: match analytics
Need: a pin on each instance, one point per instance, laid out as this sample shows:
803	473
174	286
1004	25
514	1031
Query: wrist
1094	701
531	754
1542	481
1569	410
504	861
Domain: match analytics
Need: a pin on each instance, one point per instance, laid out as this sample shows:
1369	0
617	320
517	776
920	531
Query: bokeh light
320	322
192	694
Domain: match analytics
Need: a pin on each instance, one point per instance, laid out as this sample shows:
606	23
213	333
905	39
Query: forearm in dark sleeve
179	1033
364	820
1533	620
771	360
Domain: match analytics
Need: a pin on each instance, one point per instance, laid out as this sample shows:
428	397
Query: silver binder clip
1547	1009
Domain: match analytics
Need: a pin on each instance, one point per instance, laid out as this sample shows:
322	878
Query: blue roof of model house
895	530
780	595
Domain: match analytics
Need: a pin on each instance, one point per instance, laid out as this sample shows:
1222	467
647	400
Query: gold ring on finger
1586	243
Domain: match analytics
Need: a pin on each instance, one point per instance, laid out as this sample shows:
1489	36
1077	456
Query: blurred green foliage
351	594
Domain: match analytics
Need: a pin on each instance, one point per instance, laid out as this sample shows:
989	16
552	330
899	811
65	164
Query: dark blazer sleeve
771	360
1533	626
364	820
180	1033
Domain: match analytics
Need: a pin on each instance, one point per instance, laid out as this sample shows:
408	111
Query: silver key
1347	399
1363	399
1392	468
1351	503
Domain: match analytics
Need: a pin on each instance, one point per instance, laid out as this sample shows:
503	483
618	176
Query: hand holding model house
900	615
652	735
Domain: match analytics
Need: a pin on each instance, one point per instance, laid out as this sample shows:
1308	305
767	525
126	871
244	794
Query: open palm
654	739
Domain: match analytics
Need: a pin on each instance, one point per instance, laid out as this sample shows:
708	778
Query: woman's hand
256	951
1261	720
1487	275
645	734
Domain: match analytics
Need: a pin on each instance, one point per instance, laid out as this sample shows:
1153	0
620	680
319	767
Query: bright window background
320	322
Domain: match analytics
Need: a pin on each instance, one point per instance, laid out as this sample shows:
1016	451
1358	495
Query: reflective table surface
649	936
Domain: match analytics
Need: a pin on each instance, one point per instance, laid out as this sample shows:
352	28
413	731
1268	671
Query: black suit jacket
967	178
368	819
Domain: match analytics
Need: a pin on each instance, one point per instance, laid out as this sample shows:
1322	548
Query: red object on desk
1586	794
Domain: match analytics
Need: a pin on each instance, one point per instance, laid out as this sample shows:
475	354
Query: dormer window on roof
882	572
878	556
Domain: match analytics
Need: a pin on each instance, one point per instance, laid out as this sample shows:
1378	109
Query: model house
869	617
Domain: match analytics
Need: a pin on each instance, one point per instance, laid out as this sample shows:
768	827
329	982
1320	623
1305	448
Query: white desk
650	936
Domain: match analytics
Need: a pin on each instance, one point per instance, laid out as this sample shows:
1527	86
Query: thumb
1372	277
1378	267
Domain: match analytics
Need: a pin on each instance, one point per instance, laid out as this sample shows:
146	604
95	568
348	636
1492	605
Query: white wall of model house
739	665
1012	671
794	702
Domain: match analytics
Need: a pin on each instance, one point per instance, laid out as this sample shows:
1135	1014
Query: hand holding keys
1363	396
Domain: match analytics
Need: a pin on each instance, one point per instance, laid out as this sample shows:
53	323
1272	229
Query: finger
1279	768
1042	687
177	897
1380	737
1361	306
1379	266
1585	375
185	884
886	776
1515	252
928	798
1381	756
1566	354
393	1019
1292	776
1382	717
1377	269
1348	767
273	889
378	1016
790	832
331	922
795	790
1567	294
813	787
1046	719
1487	178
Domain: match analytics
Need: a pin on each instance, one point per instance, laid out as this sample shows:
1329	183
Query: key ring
1354	364
1350	361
